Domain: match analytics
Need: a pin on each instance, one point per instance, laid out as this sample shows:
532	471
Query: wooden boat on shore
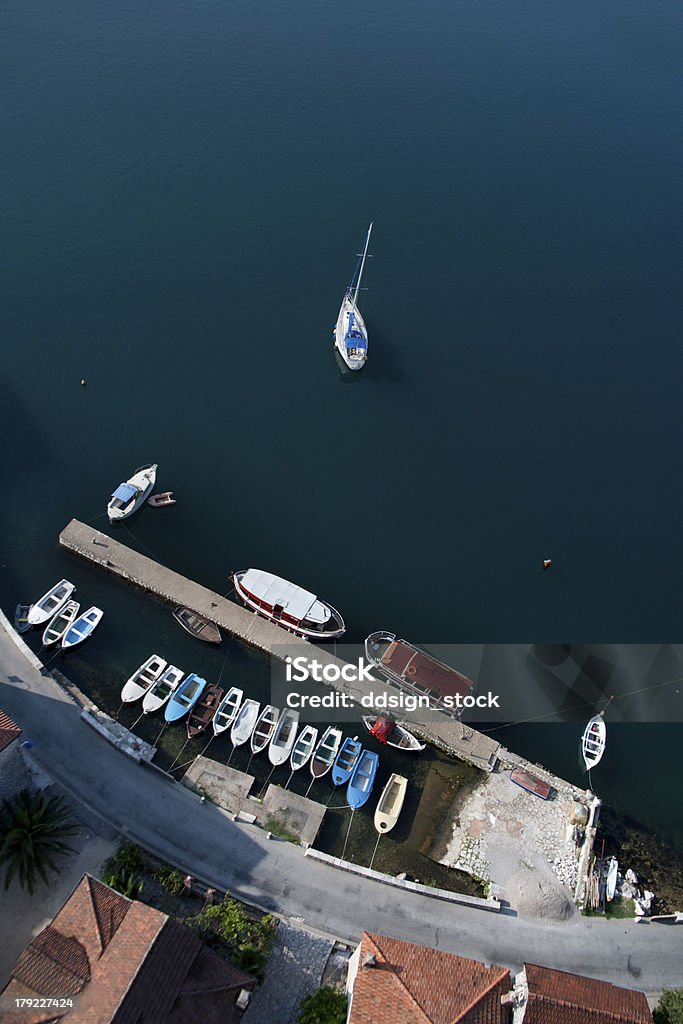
243	726
59	623
264	729
362	779
50	603
390	803
21	623
281	744
160	500
197	626
142	679
389	732
130	495
531	783
593	741
81	628
416	672
162	689
350	332
227	709
326	751
346	760
287	605
203	711
184	697
303	747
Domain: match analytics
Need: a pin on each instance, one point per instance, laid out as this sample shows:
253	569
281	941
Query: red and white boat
289	606
415	671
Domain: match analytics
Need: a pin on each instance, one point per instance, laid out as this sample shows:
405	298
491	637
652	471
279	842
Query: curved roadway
170	820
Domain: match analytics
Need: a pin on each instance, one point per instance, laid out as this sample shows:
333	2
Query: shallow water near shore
184	192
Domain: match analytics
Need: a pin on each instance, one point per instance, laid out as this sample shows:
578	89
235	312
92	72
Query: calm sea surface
183	189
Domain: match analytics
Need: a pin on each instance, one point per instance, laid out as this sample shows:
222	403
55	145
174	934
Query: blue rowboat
82	627
345	761
362	779
184	698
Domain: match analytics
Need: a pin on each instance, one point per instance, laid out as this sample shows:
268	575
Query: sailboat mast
360	273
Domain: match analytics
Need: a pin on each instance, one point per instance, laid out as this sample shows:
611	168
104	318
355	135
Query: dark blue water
184	187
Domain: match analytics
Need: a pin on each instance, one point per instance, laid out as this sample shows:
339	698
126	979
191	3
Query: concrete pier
447	733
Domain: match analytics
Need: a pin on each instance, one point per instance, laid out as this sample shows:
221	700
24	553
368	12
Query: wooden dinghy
58	625
202	713
389	732
142	679
160	500
345	760
390	803
197	626
326	752
303	748
264	729
280	746
21	623
50	603
531	783
227	709
160	692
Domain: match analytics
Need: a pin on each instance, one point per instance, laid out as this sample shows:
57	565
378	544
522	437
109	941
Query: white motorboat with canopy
50	603
287	604
350	332
130	495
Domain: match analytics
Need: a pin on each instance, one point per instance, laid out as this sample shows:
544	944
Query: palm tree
32	830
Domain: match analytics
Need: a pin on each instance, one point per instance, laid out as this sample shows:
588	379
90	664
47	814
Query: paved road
199	838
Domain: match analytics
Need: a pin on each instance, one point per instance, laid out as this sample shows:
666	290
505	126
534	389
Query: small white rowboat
390	803
58	625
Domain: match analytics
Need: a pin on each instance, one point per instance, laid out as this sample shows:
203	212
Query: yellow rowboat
390	803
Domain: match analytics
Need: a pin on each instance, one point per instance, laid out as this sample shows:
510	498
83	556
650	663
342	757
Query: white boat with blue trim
350	332
130	495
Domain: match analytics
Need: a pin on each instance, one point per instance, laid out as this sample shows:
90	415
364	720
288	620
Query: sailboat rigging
350	332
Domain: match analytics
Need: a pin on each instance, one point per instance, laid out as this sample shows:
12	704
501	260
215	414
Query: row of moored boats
203	705
61	617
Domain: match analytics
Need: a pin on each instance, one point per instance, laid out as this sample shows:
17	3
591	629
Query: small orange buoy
547	563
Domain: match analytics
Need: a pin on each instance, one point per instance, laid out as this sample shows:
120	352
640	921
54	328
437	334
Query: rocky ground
523	846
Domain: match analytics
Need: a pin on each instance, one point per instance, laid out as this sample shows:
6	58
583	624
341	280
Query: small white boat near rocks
59	623
158	694
612	876
142	679
593	741
50	603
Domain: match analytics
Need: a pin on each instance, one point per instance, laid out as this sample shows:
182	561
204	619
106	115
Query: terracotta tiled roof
124	963
53	964
556	997
9	730
411	984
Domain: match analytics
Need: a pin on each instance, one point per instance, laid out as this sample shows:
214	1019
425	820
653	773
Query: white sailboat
350	332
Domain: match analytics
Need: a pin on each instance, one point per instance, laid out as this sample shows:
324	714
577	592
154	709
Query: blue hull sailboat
346	760
350	332
184	698
362	779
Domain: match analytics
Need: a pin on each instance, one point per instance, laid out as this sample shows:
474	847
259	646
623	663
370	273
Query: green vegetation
326	1006
274	826
170	879
121	871
32	832
248	941
620	907
669	1010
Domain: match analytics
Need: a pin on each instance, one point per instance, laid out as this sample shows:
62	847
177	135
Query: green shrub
669	1010
230	922
126	882
326	1006
170	879
128	859
274	826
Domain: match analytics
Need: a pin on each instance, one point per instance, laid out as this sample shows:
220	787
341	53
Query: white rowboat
264	729
157	696
227	709
325	753
82	627
283	738
303	748
390	803
50	603
58	625
593	741
243	726
142	679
